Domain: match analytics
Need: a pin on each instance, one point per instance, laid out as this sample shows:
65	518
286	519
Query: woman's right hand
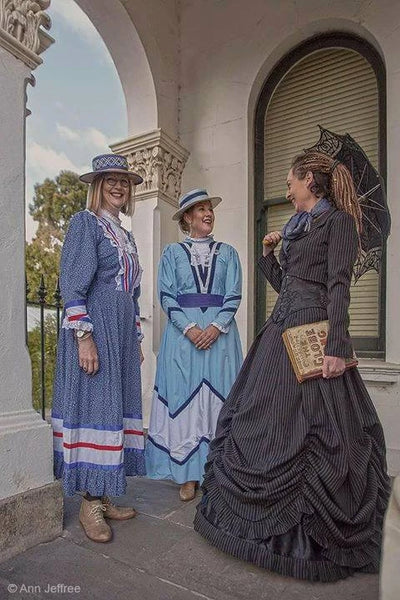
88	357
193	334
270	241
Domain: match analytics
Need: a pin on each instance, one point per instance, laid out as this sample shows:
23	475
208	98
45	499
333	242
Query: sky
77	105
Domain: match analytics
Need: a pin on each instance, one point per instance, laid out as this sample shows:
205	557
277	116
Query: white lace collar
110	217
208	238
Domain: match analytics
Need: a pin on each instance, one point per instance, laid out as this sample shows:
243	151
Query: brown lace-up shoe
91	517
119	513
188	491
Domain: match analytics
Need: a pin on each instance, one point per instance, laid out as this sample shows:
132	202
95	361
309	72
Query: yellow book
305	345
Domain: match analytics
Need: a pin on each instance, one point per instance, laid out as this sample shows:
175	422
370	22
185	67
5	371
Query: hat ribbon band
200	195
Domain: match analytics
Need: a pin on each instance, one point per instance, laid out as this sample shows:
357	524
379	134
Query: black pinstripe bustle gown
296	479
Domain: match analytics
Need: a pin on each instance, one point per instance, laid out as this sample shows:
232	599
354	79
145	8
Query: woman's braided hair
332	180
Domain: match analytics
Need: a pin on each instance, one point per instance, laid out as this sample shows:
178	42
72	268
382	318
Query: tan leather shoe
119	513
187	491
91	517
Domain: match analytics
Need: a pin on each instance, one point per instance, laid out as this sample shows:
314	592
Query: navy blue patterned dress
97	419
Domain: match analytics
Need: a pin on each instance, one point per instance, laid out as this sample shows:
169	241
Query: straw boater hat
193	197
110	163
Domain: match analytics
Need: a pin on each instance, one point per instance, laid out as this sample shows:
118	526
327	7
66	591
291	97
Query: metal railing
42	303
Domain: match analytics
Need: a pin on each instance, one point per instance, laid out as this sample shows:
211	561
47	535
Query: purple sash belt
199	300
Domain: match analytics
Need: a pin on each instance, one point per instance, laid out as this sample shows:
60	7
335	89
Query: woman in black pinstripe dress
296	477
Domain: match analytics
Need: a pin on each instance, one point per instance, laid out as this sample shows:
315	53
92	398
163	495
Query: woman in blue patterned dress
97	411
199	285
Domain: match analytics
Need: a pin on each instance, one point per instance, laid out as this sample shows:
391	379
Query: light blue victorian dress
199	282
97	419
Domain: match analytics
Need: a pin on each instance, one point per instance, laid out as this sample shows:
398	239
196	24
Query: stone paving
156	556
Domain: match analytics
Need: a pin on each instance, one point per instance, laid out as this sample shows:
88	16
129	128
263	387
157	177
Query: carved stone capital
21	29
159	160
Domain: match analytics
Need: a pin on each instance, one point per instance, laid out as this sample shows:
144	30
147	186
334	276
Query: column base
30	518
26	452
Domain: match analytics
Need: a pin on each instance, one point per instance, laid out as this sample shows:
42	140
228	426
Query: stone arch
127	51
314	28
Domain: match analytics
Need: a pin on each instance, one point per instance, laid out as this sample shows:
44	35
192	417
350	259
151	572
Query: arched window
337	81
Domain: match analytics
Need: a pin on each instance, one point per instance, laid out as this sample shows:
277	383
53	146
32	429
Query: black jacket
325	255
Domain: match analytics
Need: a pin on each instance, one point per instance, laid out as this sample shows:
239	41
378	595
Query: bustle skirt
296	479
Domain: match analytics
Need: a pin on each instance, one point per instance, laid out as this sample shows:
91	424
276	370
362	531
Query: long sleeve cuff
267	263
339	345
221	327
188	326
76	316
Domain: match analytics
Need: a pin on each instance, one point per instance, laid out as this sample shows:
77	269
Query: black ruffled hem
311	570
351	542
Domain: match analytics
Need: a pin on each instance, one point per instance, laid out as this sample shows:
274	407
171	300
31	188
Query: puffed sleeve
136	294
342	253
167	291
233	292
77	269
271	268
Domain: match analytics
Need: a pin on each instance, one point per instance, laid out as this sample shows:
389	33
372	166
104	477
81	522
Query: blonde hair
95	197
332	179
183	225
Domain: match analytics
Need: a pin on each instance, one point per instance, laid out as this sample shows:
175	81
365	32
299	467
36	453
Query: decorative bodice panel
193	277
297	294
118	261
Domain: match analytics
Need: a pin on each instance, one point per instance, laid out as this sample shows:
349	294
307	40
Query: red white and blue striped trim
97	445
129	274
76	316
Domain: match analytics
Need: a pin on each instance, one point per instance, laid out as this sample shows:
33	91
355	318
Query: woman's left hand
333	367
207	337
141	355
270	242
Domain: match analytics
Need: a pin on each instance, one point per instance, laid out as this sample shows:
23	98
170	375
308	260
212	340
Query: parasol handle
269	242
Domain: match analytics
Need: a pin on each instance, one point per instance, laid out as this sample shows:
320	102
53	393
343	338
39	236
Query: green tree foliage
50	348
54	203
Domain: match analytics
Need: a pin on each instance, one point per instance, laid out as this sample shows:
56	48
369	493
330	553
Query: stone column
30	503
160	161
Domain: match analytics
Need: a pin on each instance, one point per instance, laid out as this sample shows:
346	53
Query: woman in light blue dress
200	286
97	405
